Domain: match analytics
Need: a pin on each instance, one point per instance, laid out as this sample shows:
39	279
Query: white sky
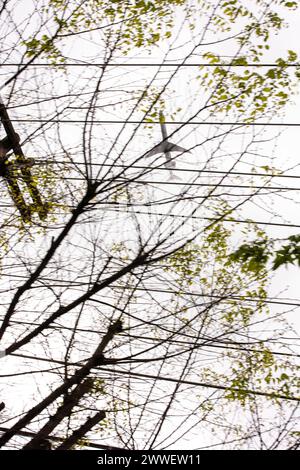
182	94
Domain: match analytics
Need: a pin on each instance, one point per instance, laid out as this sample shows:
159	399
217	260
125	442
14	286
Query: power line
208	185
203	384
238	221
140	167
275	224
221	298
191	123
178	216
177	183
180	183
178	381
267	300
222	345
145	64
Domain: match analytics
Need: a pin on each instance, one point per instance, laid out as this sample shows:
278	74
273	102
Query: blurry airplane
166	148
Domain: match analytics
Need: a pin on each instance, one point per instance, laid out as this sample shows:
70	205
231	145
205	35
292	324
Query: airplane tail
174	177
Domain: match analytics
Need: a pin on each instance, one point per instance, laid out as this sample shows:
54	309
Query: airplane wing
175	148
164	147
160	148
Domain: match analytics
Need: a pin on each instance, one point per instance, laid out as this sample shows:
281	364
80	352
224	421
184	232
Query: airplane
166	148
20	168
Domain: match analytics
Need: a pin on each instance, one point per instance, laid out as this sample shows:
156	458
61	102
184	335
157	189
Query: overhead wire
178	381
190	123
145	64
160	168
167	291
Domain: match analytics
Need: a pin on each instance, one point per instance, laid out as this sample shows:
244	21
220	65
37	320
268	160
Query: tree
126	320
259	252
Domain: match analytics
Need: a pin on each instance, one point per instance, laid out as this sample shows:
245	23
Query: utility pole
12	142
